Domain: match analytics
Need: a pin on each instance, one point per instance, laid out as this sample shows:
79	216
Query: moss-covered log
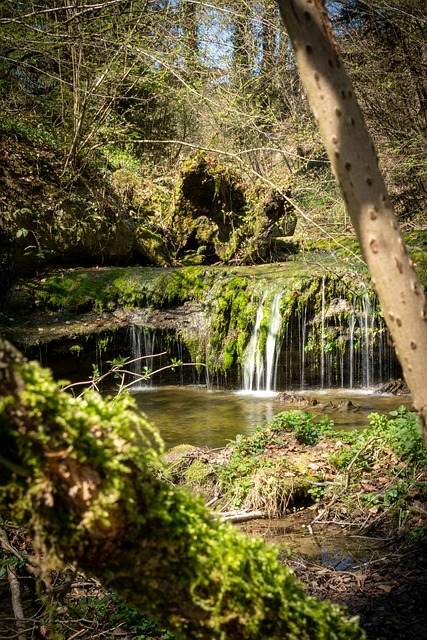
82	474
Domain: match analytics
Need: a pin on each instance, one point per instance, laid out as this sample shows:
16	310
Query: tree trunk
82	474
355	165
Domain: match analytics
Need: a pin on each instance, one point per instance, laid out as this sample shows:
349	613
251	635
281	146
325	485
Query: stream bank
352	509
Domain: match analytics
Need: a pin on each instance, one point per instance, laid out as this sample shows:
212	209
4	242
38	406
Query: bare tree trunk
355	164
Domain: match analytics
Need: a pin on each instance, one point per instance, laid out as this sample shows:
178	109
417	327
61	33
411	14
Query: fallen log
82	474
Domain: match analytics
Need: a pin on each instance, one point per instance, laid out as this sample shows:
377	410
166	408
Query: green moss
150	245
198	473
82	472
229	299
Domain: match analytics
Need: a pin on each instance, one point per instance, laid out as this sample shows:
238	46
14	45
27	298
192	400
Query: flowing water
210	418
354	356
343	344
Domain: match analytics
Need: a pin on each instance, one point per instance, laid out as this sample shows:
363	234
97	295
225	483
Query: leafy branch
119	369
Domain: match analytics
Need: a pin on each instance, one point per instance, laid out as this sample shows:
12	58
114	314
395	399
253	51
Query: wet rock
300	401
342	406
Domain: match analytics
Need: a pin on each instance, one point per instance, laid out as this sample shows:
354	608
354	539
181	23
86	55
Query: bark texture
82	474
355	164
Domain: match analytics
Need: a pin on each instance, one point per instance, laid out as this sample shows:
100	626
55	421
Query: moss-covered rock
49	216
150	245
217	217
212	310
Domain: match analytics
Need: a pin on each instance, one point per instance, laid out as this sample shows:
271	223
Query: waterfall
259	369
322	345
252	359
303	344
271	352
351	325
332	337
365	323
142	345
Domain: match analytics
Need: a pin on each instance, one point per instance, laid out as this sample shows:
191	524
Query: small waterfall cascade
366	330
253	362
351	325
322	338
261	358
271	350
320	334
344	345
142	345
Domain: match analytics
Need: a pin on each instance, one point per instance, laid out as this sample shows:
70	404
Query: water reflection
327	547
209	418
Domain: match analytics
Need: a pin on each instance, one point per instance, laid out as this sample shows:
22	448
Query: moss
229	299
151	245
83	473
198	473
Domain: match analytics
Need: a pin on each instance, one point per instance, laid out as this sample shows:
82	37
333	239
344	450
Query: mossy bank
209	312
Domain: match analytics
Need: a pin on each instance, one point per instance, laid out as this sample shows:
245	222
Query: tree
81	473
355	165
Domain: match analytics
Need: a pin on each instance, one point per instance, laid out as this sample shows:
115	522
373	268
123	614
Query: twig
15	594
347	473
242	516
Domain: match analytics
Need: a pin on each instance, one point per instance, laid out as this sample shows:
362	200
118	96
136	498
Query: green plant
302	425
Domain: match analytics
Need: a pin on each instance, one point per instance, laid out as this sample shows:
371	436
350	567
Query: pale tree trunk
355	165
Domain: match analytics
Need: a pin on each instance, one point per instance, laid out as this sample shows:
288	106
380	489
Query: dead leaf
45	631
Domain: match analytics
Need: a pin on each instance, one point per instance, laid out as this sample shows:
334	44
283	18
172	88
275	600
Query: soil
388	594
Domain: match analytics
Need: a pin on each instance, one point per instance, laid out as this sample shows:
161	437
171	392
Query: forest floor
387	592
383	580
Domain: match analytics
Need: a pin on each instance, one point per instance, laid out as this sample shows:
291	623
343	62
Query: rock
216	217
151	246
300	401
280	214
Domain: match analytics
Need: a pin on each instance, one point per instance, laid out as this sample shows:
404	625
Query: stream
210	418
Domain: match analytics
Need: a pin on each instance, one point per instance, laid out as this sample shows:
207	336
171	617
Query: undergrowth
260	475
385	470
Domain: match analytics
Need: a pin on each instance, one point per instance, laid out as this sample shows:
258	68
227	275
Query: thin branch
15	593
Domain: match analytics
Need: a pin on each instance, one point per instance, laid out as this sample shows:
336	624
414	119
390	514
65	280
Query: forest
190	159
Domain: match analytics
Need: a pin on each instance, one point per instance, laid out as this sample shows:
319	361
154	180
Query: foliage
260	465
118	612
302	425
191	78
386	466
400	433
